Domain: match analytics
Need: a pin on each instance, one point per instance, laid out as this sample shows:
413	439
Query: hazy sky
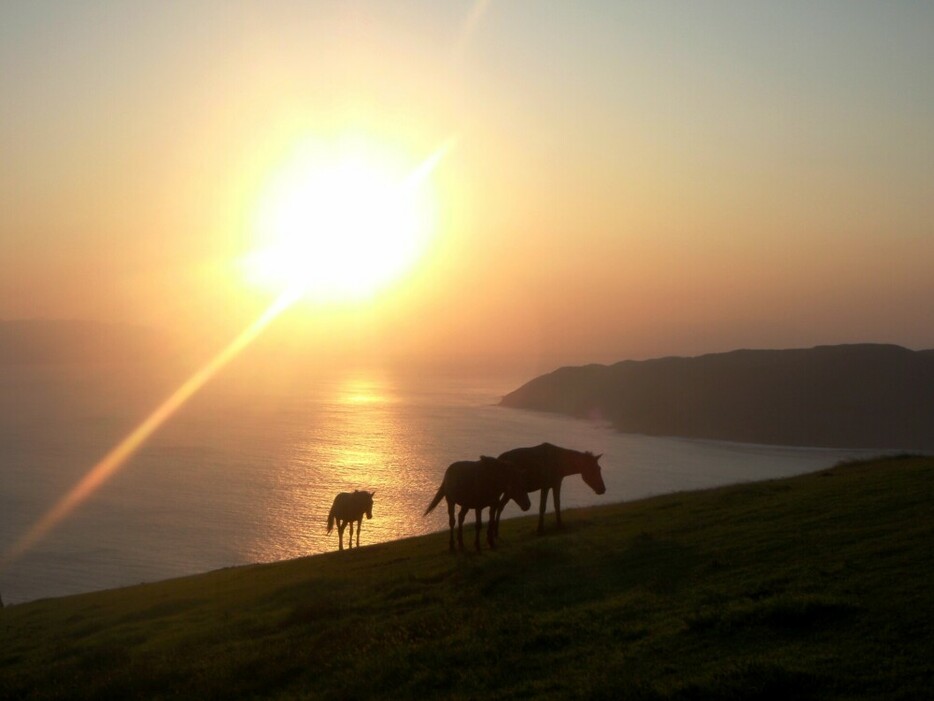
630	179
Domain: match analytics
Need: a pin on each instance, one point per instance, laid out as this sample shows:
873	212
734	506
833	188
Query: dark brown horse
544	467
347	508
478	485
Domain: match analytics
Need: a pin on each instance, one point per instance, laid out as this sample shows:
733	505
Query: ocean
246	471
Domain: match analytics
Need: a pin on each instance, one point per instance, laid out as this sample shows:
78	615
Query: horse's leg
340	533
461	515
500	505
451	522
557	498
491	525
359	528
542	505
476	537
350	542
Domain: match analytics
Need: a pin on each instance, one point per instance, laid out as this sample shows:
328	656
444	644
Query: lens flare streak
111	463
115	459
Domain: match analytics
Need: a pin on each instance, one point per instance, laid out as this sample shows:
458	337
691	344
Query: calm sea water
245	473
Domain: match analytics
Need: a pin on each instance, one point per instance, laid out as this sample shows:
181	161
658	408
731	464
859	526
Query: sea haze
245	473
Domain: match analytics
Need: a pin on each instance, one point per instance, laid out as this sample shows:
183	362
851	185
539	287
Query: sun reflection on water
362	440
360	391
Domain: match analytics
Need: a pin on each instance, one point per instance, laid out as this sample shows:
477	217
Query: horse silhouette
544	467
347	508
479	484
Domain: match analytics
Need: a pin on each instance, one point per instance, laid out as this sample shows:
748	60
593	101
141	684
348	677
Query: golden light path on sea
114	460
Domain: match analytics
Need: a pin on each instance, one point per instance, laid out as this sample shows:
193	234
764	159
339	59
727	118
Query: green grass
819	586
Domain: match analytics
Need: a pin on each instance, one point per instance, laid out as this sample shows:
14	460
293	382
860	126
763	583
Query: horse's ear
597	457
372	494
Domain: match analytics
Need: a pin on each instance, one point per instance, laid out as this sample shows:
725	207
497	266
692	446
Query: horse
347	508
478	484
544	467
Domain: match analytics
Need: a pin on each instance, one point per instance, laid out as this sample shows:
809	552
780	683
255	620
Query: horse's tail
331	517
437	500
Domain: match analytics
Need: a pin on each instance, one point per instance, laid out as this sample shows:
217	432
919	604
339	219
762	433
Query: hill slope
855	396
811	587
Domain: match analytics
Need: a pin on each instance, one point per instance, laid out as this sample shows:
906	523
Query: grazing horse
479	484
347	508
543	467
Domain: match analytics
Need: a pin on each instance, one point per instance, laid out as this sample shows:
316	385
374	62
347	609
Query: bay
247	470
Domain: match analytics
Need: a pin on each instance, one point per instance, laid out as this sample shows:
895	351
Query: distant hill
34	341
848	396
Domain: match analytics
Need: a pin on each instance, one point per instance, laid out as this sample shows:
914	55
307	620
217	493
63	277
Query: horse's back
546	453
458	479
538	463
459	472
546	465
473	483
349	505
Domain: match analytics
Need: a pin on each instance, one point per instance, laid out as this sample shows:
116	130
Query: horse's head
515	484
590	471
368	500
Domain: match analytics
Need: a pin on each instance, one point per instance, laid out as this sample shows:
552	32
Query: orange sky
629	180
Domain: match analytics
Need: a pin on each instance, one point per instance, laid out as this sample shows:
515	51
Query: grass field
819	586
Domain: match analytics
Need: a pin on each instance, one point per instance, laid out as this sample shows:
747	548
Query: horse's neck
567	465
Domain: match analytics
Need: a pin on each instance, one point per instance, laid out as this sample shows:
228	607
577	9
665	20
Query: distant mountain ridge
846	396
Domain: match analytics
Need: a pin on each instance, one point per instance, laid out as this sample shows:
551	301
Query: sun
341	223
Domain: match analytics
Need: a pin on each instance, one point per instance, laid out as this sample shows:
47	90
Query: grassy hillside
811	587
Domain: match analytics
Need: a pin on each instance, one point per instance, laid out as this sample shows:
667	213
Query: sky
624	179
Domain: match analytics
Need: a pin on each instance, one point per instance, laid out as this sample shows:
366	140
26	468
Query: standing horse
544	467
477	485
347	508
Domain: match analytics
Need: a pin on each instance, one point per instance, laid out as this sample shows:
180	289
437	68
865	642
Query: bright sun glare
338	226
330	228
